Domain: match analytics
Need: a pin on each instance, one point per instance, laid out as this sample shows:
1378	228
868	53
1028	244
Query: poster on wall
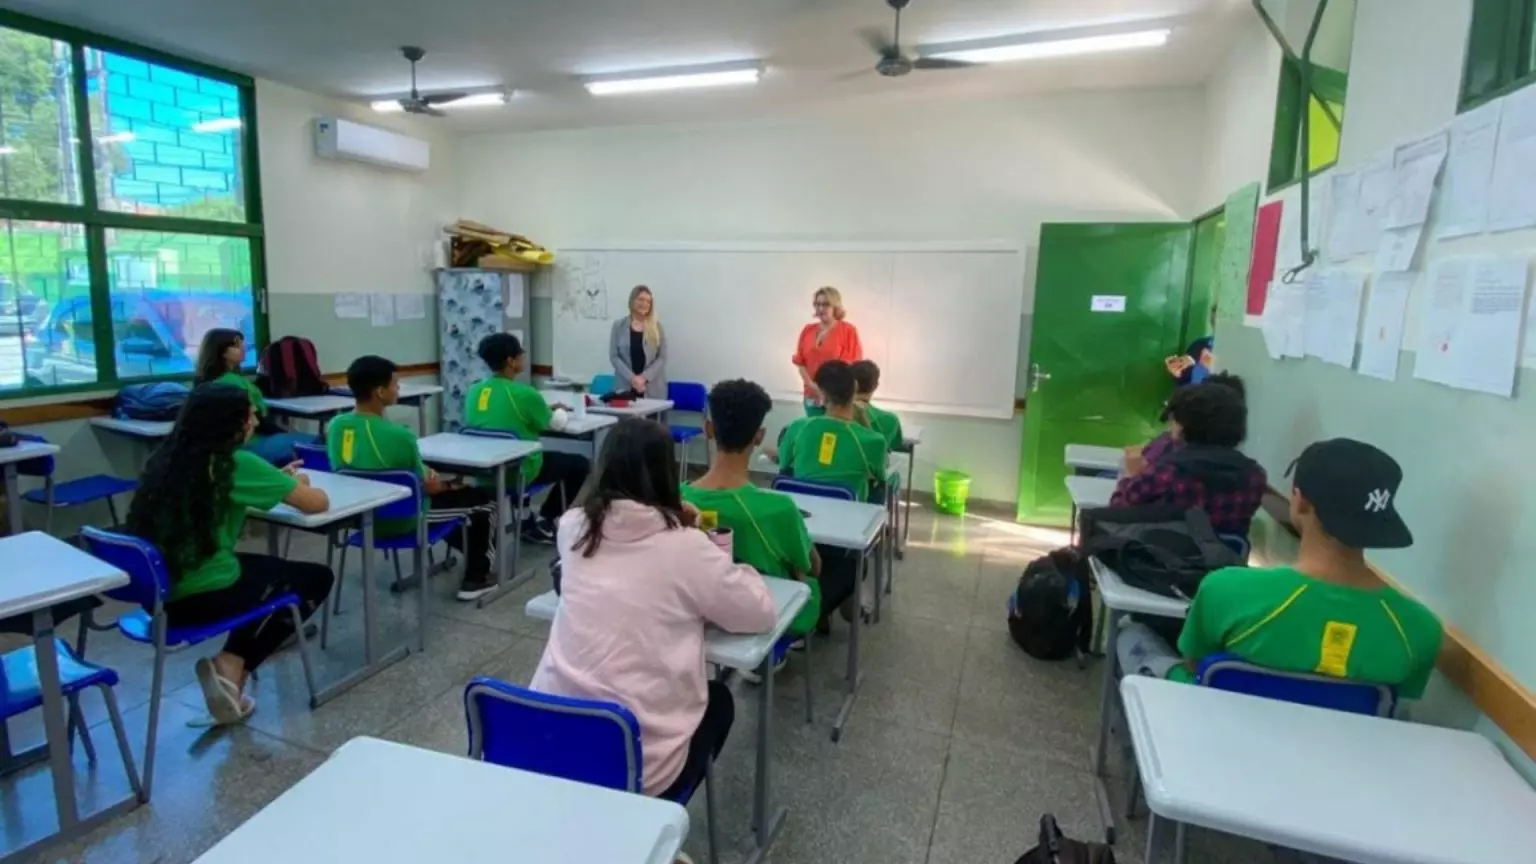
1266	234
1236	253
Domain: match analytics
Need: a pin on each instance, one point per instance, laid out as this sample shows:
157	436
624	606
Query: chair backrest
1231	673
1237	543
405	508
602	384
148	577
688	396
481	432
42	466
806	487
577	739
314	456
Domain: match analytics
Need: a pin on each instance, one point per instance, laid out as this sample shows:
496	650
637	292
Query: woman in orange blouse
829	337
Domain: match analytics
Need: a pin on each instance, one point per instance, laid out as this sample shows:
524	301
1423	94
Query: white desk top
587	425
1089	492
636	408
911	435
733	650
338	813
25	450
135	428
408	390
844	524
44	572
1327	782
473	451
312	406
350	496
1094	457
1121	597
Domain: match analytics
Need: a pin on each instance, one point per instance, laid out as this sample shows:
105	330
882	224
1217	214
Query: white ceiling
812	48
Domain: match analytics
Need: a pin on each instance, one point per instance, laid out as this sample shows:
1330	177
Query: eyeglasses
821	304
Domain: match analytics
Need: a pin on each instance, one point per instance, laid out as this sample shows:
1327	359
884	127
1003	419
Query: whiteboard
943	324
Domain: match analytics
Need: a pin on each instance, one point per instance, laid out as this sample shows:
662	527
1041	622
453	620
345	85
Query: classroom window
1501	54
1321	101
119	253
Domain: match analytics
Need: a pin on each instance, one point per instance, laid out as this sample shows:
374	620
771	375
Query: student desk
742	652
317	408
146	433
591	429
352	499
344	811
1119	600
494	455
414	395
1087	493
911	436
1327	782
857	527
636	408
42	573
10	460
1091	457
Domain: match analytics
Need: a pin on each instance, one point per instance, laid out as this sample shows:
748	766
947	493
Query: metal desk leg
12	500
53	721
906	521
372	664
1106	709
854	676
423	609
506	582
766	821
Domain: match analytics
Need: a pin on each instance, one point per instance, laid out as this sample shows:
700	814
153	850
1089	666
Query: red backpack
290	368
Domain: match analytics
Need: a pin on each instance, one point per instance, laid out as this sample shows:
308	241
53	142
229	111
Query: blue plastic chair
316	457
21	691
1232	673
584	740
602	384
70	493
148	587
532	490
692	397
806	487
1237	543
429	532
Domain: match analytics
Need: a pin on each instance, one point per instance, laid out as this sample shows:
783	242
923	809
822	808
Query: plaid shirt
1229	498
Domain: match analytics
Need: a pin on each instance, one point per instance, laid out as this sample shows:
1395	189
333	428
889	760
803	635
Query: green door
1204	274
1109	305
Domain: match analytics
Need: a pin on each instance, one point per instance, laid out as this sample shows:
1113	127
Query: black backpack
1050	613
1056	849
1162	548
289	367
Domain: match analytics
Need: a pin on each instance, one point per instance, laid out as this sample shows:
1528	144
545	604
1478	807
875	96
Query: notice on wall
1345	201
1236	253
1381	337
381	310
1107	303
1333	315
1469	331
1512	193
410	307
1469	172
1415	167
351	305
1266	235
1376	178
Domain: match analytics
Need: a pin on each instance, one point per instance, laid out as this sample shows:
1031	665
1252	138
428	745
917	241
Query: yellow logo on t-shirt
1338	641
348	444
485	399
709	520
828	447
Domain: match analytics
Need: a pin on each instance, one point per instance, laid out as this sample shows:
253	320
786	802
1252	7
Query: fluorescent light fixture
1050	43
683	78
486	99
223	124
6	151
116	138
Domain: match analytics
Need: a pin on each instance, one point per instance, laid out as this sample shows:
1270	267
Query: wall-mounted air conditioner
336	138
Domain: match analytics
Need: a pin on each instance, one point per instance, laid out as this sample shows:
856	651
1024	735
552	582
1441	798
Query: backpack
159	401
289	368
7	437
1050	613
1056	849
1162	548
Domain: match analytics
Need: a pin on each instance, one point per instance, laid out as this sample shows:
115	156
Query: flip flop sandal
220	694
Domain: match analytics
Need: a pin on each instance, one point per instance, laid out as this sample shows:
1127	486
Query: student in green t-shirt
834	448
191	505
219	359
1329	614
363	440
866	380
505	404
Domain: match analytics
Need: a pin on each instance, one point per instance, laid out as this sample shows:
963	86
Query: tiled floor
957	744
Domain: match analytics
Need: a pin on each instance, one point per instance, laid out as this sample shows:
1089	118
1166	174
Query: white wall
968	171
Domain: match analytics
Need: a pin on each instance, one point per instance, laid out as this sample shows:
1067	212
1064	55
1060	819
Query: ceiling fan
417	103
893	63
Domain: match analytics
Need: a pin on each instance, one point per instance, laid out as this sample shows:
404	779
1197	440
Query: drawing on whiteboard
581	287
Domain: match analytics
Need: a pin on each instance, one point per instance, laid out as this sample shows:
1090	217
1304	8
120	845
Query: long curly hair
185	488
210	356
636	465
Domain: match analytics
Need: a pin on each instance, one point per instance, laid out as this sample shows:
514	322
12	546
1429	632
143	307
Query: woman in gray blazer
637	348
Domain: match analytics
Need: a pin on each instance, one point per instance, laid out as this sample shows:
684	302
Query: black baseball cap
1353	487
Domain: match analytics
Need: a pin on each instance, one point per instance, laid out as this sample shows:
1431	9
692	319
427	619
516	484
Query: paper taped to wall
381	310
1469	331
410	307
1415	166
1512	194
1381	338
1469	171
351	305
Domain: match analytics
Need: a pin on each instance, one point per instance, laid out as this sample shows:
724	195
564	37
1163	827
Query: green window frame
1326	107
217	226
1499	51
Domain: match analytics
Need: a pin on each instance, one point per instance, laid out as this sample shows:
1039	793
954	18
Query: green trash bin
950	489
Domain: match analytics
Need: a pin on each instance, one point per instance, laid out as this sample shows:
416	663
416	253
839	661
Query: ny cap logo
1377	501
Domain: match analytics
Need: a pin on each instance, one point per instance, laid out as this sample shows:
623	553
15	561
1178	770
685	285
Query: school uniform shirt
884	422
631	625
767	533
1281	618
841	343
250	389
367	442
1223	482
253	483
504	405
839	452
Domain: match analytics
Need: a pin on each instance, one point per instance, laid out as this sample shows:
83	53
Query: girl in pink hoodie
639	586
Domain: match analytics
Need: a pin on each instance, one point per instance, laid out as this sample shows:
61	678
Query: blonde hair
652	322
834	298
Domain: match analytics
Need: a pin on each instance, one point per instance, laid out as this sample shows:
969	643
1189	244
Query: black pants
708	740
262	577
477	506
567	471
839	577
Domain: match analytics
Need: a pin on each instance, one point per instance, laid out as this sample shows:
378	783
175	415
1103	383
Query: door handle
1036	376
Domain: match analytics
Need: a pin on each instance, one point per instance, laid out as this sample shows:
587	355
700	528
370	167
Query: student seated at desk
364	440
1328	614
219	359
1139	457
504	404
640	585
191	505
1204	469
833	448
866	380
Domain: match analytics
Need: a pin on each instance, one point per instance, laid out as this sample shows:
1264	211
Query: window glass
45	306
37	120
